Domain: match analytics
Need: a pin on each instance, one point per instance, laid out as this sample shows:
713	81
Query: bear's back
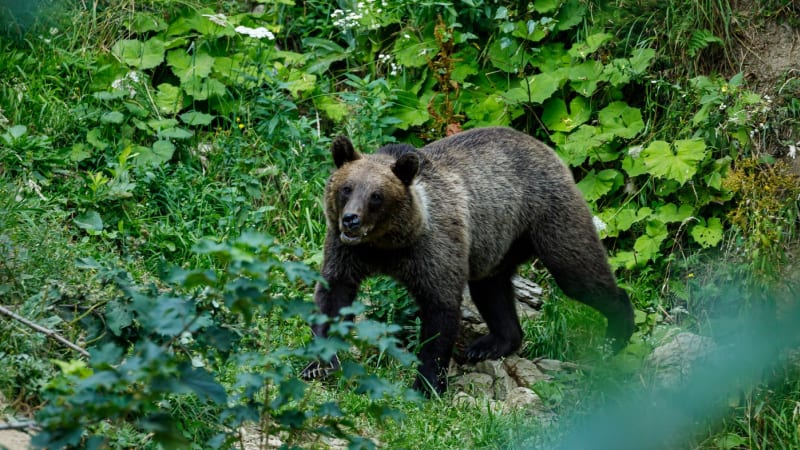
508	181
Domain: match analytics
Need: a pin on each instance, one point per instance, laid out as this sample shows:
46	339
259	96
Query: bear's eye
347	190
376	198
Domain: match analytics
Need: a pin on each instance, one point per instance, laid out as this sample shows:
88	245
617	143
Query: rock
503	384
491	367
554	365
462	399
673	360
527	293
524	372
476	384
14	440
523	398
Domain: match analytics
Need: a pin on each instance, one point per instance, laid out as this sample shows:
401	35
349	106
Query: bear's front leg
440	323
330	301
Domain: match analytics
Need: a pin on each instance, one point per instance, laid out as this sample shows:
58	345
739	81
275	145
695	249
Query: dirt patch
14	440
767	52
768	55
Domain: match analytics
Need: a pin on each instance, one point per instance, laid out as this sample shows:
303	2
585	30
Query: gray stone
476	384
492	367
523	398
524	372
554	365
462	399
674	360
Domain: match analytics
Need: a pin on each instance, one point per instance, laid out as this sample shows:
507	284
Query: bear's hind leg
577	260
494	298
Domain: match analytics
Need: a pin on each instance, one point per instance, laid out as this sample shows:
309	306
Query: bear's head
371	199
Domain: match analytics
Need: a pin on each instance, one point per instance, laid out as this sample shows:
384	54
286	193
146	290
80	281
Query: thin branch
21	425
41	329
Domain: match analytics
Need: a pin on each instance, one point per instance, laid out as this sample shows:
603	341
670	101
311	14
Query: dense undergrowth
162	164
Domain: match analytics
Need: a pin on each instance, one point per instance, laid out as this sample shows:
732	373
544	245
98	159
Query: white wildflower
257	33
635	151
793	150
34	186
53	31
394	69
599	225
124	83
384	58
219	19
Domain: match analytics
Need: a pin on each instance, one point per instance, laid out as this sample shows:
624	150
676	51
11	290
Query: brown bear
462	211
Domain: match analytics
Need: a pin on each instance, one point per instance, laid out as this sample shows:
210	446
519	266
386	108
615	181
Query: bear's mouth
353	237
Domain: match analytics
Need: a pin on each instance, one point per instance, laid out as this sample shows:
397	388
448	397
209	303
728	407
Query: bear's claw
488	347
316	370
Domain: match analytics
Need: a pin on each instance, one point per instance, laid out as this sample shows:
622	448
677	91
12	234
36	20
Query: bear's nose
351	221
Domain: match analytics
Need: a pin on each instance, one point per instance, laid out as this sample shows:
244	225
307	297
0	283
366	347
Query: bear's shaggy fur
462	211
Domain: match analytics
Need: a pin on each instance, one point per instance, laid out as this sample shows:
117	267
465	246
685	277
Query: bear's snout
351	222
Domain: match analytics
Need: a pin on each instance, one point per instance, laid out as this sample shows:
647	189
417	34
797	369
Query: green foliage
154	347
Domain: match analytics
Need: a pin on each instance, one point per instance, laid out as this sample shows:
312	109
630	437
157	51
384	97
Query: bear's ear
343	151
406	167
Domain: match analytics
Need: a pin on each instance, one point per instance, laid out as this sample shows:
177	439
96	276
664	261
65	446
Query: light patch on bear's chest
422	200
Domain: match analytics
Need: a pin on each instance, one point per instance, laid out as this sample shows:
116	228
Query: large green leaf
570	14
640	60
575	147
556	117
299	81
533	30
597	184
190	66
158	154
621	120
585	76
542	86
114	117
590	45
678	163
410	51
622	219
491	110
143	55
669	212
648	246
169	98
506	55
196	118
408	109
203	88
545	6
144	22
707	234
90	221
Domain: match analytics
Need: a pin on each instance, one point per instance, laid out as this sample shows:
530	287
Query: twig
41	329
22	425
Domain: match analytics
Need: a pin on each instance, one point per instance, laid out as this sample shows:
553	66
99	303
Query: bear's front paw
488	347
316	370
